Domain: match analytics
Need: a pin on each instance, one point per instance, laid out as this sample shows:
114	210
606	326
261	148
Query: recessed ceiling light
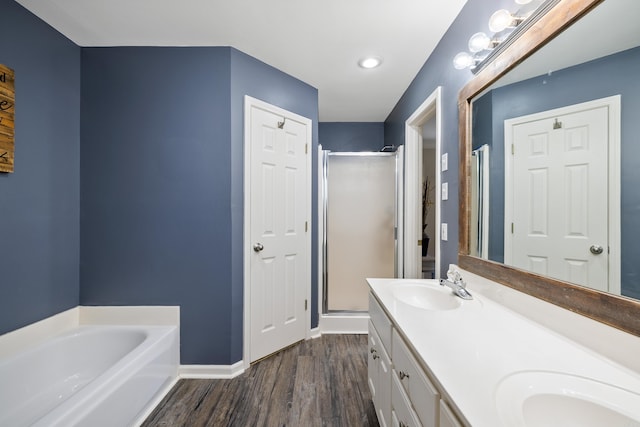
370	62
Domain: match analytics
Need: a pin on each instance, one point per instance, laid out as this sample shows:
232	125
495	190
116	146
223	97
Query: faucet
457	285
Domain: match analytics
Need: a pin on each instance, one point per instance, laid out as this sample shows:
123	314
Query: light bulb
523	1
463	60
370	62
500	20
479	42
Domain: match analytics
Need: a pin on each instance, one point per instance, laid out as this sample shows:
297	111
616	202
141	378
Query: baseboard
315	333
211	371
344	324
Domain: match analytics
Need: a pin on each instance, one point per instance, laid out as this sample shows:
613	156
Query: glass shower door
360	206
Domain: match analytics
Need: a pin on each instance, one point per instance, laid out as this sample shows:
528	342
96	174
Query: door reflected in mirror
558	194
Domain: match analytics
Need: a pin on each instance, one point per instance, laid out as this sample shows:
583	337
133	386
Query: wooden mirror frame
620	312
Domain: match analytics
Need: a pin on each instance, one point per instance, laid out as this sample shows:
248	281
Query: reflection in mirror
479	235
561	129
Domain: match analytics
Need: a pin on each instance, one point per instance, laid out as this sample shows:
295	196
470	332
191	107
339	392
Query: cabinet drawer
402	414
447	417
372	364
379	367
413	380
380	321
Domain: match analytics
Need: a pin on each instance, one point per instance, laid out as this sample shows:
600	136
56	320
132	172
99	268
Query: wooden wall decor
7	113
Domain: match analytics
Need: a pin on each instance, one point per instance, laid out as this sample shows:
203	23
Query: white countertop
471	349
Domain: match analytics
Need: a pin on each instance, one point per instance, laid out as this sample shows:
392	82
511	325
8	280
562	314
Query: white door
560	197
279	229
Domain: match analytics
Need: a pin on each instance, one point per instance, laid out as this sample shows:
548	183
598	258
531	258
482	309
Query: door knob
258	247
596	249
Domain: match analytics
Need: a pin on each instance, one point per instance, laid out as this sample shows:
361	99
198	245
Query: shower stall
360	196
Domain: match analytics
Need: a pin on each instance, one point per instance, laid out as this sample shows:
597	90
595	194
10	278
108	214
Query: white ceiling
316	41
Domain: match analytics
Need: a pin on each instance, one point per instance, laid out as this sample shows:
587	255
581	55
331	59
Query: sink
425	295
541	398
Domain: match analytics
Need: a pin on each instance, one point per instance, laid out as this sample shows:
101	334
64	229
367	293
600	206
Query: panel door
279	264
560	200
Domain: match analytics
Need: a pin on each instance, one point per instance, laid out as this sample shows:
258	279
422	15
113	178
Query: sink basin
426	296
540	398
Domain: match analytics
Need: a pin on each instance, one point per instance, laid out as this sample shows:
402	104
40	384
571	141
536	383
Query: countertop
472	349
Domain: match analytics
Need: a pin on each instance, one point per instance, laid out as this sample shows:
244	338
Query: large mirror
548	168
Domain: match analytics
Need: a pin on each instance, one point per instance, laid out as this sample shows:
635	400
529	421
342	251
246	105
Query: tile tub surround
470	350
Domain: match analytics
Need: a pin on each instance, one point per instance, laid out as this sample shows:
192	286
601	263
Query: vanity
552	334
501	359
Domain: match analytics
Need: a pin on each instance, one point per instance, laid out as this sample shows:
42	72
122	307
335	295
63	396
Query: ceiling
316	41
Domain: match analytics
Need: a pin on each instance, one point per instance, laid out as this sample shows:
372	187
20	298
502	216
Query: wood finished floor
320	382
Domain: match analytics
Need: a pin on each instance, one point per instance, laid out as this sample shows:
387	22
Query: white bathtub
89	376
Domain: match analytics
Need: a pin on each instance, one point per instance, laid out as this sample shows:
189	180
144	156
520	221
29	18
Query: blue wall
438	71
40	201
612	75
259	80
351	136
155	187
162	183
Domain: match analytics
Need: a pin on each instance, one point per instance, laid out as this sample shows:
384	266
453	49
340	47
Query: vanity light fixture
370	62
480	41
464	60
505	27
503	19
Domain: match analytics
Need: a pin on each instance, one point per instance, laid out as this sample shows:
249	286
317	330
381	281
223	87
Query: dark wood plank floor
320	382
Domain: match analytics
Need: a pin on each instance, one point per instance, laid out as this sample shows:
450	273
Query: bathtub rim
20	340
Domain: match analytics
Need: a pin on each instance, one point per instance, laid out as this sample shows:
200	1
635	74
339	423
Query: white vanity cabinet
379	363
515	350
419	390
402	413
402	393
379	366
447	417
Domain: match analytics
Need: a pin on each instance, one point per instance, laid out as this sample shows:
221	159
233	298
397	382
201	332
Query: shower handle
258	247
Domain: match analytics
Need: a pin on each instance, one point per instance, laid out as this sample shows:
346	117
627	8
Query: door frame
249	103
432	106
613	103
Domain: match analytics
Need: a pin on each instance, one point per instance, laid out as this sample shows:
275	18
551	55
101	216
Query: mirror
548	200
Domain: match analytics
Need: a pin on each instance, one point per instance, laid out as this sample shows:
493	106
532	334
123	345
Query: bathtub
88	376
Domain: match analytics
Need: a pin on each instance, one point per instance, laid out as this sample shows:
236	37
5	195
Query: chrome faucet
457	285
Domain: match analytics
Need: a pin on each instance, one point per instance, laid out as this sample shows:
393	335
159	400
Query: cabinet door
373	364
422	393
379	370
383	407
447	418
403	414
380	321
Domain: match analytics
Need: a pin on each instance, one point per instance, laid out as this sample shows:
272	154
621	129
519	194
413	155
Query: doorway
277	229
359	193
425	121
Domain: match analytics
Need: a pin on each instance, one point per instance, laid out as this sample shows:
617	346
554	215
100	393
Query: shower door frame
324	206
